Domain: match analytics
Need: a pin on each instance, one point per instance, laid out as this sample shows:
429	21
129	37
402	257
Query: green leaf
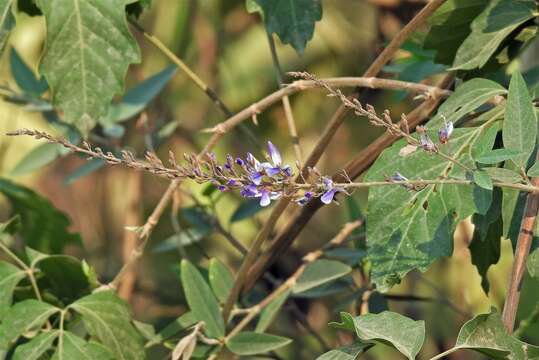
268	314
137	98
38	157
251	6
347	352
35	348
85	169
251	343
485	245
409	230
486	140
347	255
221	279
184	238
44	228
65	275
106	317
534	170
498	155
450	25
73	347
533	263
247	209
87	52
201	300
24	76
504	175
466	98
489	29
404	334
24	316
320	272
482	179
7	22
486	334
180	324
512	209
292	20
520	124
9	278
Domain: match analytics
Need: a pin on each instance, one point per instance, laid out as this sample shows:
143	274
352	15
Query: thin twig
286	101
525	237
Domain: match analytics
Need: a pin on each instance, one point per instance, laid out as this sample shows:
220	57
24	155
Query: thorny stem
289	283
525	237
286	101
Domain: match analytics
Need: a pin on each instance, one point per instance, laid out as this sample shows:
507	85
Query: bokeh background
228	48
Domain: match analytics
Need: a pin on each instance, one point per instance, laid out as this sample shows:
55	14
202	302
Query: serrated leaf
201	300
268	314
347	352
466	98
486	334
292	20
73	347
245	210
251	343
138	98
504	175
7	22
35	348
450	25
485	245
482	179
318	273
221	279
44	227
489	29
533	263
87	52
409	230
520	124
38	157
22	317
387	327
24	76
498	155
9	278
107	318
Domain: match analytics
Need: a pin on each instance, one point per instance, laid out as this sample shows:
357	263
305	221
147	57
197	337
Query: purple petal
265	198
256	177
327	198
232	182
222	188
272	171
239	162
308	194
287	170
274	154
328	183
249	191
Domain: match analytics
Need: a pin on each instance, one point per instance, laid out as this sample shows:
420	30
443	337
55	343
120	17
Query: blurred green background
228	48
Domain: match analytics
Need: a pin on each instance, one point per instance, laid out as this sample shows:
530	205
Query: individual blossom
399	178
445	131
307	196
330	190
276	167
424	140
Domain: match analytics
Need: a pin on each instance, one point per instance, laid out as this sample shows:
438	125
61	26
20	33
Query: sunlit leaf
409	230
201	300
482	179
320	272
73	347
292	20
221	279
87	52
489	29
404	334
504	175
106	317
520	124
35	348
251	343
498	155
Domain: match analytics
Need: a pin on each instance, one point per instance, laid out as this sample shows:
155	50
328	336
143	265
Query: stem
522	250
526	323
286	101
445	353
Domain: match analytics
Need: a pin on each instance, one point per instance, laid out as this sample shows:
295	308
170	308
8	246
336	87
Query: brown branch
354	168
525	237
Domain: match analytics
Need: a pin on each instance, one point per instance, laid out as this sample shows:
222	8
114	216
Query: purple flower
305	198
265	199
222	188
331	190
232	182
275	155
249	191
240	162
445	131
256	177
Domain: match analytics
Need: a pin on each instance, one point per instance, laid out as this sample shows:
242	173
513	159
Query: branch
522	250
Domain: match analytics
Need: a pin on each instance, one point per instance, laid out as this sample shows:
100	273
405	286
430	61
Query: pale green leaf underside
221	279
107	318
347	352
88	50
251	343
409	230
489	29
33	349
